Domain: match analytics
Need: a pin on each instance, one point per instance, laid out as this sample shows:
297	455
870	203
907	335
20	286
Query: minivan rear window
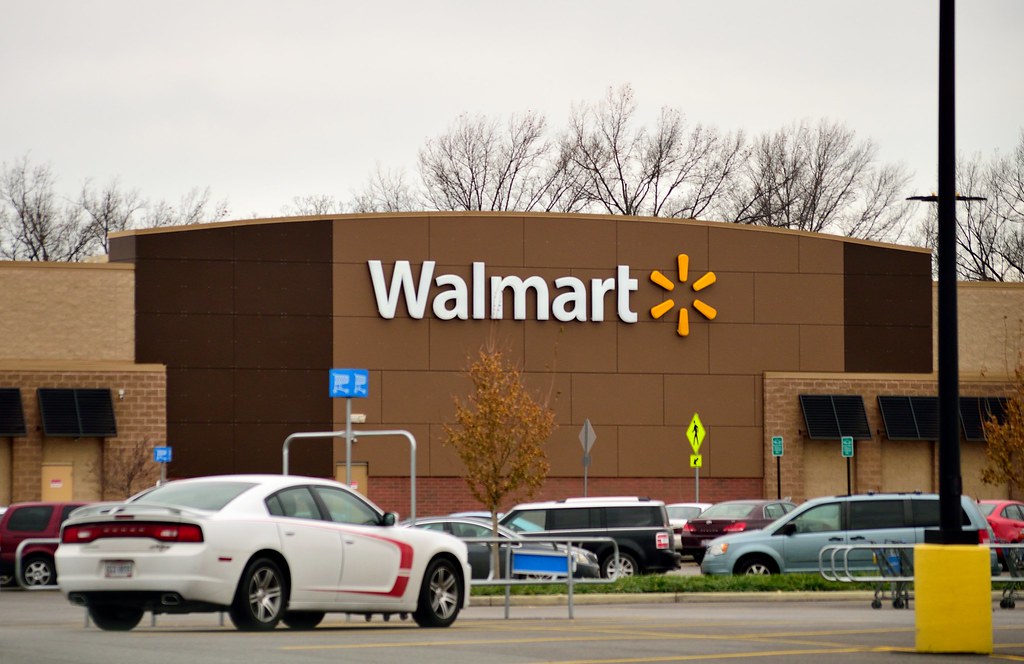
876	514
926	514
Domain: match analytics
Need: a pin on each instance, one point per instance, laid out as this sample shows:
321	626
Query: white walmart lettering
453	299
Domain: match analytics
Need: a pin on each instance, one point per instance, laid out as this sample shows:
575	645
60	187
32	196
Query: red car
32	521
732	516
1006	518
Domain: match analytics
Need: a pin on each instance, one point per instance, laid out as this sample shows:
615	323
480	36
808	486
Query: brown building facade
634	324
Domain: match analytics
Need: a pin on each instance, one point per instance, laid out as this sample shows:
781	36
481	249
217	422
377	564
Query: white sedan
264	548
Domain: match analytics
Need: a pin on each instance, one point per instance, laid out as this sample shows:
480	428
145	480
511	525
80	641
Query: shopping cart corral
889	567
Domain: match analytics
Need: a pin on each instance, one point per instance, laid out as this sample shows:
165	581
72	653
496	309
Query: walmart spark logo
706	310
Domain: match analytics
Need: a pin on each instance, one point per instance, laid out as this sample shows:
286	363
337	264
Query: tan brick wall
140	415
67	311
991	327
810	468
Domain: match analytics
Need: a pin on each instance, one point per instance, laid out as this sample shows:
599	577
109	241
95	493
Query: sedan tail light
162	532
689	528
735	527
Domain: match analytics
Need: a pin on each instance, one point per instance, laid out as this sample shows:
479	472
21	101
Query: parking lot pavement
43	627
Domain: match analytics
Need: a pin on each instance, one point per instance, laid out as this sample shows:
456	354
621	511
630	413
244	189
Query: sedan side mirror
389	519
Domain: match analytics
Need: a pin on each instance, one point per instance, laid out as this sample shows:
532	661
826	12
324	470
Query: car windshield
683	512
986	508
728	511
211	496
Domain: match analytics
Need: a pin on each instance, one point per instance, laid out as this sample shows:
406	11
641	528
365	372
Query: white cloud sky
264	101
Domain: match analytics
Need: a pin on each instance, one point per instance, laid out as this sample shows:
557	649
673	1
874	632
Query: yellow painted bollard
953	598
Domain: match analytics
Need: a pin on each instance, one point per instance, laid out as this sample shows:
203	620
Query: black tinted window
30	519
632	517
873	514
926	514
569	519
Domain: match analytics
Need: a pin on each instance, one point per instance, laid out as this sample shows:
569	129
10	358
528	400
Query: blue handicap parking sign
350	383
162	454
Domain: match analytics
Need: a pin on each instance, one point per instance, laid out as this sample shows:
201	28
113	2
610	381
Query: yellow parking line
731	655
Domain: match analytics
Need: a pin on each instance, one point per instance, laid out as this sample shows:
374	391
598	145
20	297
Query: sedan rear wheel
260	598
115	618
303	619
440	595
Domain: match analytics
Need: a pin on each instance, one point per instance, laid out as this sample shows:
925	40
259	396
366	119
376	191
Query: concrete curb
671	598
684	598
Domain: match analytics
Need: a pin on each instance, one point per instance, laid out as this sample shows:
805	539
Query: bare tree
989	232
35	224
195	207
670	171
109	210
127	469
820	179
476	165
313	204
386	191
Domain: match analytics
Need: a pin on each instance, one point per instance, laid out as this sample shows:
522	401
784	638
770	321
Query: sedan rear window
211	496
728	511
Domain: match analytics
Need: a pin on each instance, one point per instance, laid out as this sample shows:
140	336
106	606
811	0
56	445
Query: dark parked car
639	526
731	516
36	520
584	562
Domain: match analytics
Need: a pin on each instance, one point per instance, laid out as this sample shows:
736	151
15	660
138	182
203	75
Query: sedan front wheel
440	595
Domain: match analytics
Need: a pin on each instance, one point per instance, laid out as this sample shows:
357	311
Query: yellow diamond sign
695	433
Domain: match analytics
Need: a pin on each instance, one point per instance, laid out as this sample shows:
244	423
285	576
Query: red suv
23	521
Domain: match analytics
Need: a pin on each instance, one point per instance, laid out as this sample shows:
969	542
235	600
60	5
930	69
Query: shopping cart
896	567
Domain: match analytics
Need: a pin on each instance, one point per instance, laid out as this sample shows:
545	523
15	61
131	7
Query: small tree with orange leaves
1004	454
499	433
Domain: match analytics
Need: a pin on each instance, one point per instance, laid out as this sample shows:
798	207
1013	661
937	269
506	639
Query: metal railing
834	563
563	576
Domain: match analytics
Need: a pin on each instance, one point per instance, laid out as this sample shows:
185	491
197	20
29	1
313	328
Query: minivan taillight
162	532
735	527
983	537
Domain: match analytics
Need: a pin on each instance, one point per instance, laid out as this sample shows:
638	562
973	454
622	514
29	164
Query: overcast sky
264	101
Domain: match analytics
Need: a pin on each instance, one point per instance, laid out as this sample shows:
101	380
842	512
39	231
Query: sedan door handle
858	538
837	539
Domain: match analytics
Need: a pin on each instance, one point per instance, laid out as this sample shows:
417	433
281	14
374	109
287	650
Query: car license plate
118	569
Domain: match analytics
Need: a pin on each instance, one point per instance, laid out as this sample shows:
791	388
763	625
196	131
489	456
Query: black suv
640	526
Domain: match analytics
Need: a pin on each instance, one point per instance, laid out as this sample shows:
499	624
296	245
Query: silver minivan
792	542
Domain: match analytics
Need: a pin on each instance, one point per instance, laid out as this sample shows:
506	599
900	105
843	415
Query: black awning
974	411
910	418
832	416
12	414
77	413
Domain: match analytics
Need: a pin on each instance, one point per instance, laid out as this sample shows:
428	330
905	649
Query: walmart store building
635	324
